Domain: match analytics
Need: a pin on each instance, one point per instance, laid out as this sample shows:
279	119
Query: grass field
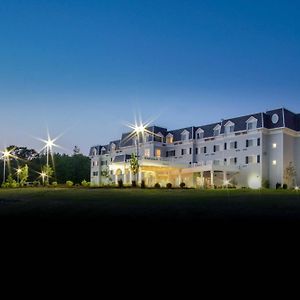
148	205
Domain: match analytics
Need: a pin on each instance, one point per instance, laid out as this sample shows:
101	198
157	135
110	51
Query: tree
48	171
290	175
134	166
23	175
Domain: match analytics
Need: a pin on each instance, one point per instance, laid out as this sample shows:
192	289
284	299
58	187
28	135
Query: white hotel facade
242	151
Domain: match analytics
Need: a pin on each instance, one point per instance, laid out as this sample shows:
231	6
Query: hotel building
245	151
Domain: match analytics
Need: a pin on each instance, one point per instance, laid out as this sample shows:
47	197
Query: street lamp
19	170
43	175
5	156
49	144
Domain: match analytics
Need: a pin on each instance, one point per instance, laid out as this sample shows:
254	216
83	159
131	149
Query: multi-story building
243	151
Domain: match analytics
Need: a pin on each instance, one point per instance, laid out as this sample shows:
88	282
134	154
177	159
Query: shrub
54	183
143	184
157	185
278	185
84	183
36	183
169	185
69	183
284	186
182	185
133	183
266	184
120	183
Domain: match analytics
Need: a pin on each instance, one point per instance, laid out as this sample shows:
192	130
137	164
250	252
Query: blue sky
87	66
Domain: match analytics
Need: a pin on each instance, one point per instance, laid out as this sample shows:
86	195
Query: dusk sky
88	66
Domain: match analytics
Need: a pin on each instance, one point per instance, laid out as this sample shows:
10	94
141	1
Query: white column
179	177
201	179
212	178
225	179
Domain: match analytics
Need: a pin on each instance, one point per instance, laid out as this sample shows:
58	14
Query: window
158	153
159	137
249	143
190	150
199	134
274	146
216	162
196	150
183	151
147	152
251	159
225	146
258	142
169	139
233	145
233	160
216	132
229	127
185	135
95	173
258	159
216	148
170	153
103	162
203	150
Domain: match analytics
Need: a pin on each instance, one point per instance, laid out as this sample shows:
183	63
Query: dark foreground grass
151	206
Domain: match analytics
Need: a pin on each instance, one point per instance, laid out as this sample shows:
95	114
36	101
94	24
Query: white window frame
253	121
228	127
217	130
185	135
200	132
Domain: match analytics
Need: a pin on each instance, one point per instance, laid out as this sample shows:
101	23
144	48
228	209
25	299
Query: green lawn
148	205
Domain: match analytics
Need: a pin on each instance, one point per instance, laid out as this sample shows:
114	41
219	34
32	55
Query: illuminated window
274	145
169	139
147	152
158	153
274	162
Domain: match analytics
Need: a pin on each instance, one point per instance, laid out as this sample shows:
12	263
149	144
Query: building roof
282	116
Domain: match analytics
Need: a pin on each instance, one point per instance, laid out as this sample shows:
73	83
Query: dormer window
159	137
169	138
94	152
199	134
251	123
229	127
113	147
185	135
217	130
103	150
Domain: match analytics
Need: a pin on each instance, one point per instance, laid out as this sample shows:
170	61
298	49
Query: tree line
75	167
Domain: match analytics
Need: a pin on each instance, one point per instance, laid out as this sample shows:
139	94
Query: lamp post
138	129
43	175
19	170
5	156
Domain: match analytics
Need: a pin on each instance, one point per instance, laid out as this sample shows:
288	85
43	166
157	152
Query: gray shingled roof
286	118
